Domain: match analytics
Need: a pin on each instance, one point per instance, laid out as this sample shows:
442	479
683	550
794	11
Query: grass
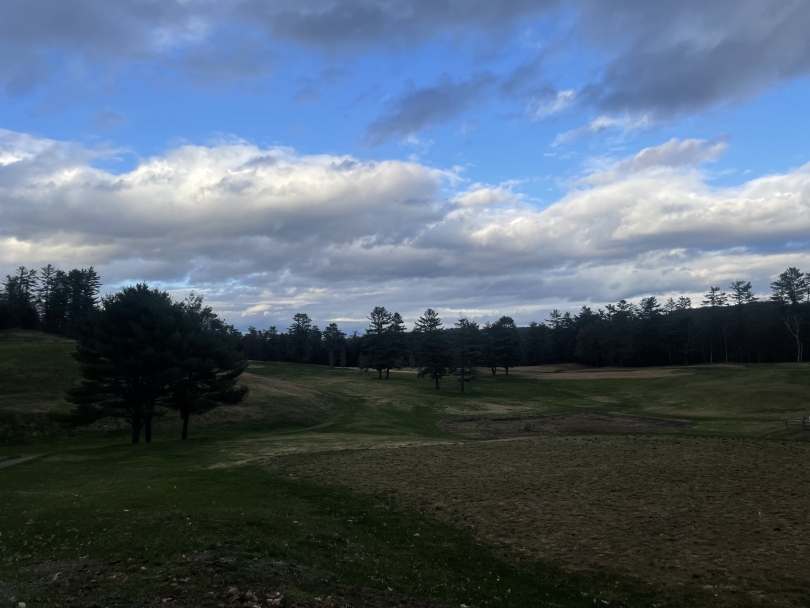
121	524
36	369
317	485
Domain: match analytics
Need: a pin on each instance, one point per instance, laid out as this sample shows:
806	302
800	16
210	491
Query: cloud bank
268	232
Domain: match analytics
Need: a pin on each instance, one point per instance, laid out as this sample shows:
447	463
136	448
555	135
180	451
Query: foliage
126	360
465	351
433	353
208	361
144	351
55	301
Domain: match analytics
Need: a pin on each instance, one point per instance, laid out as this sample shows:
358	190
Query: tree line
50	299
732	325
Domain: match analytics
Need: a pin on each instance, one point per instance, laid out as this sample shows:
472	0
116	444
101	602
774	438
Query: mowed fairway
330	487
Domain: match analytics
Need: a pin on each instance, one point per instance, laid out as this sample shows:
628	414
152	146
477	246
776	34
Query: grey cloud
677	58
418	108
226	40
106	118
667	59
358	24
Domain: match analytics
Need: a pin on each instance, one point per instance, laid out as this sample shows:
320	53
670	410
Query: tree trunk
186	416
437	383
506	369
387	372
136	429
493	370
148	429
462	379
379	374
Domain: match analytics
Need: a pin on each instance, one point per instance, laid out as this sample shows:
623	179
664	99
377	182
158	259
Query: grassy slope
234	523
751	401
35	371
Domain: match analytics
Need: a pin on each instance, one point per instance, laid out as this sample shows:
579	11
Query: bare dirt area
572	371
726	517
572	422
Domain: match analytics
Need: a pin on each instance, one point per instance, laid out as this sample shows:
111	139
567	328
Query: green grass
739	400
35	369
158	514
123	524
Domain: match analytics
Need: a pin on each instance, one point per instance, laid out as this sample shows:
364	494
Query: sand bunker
576	422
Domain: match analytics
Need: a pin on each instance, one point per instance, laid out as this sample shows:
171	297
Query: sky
479	157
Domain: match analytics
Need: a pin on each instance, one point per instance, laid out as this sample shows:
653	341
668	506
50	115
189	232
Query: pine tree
377	354
506	343
208	361
434	355
465	352
396	343
334	341
126	359
299	338
741	292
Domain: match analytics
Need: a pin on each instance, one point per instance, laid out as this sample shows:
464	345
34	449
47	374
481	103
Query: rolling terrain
330	487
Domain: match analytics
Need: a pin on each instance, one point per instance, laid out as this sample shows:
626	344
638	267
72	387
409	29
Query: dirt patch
574	422
724	516
577	372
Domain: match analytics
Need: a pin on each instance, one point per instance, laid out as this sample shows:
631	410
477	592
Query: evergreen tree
434	355
18	300
535	343
299	338
396	343
208	362
334	341
715	297
487	348
377	354
790	290
741	292
506	343
127	359
465	352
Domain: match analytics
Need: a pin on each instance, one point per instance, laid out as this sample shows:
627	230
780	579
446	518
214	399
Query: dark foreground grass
146	525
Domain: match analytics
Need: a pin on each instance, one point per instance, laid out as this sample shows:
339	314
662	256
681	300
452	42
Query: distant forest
729	326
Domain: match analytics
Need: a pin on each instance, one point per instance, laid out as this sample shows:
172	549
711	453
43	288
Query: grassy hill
36	369
330	487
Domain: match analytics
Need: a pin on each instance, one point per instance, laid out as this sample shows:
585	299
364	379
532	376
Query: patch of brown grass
573	372
728	516
570	422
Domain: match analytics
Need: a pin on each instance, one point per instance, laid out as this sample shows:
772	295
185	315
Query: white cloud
601	124
267	232
543	108
479	195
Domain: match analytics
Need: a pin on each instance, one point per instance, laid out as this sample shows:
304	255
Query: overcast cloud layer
267	232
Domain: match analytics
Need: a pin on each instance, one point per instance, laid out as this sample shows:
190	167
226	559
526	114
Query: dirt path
8	463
